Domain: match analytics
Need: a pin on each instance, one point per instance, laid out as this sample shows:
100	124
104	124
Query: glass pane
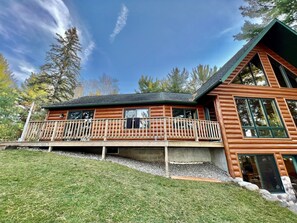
130	113
190	113
257	70
75	115
279	133
87	114
178	113
142	113
265	133
285	78
291	166
250	132
269	175
258	113
272	114
292	78
243	112
246	76
293	109
249	169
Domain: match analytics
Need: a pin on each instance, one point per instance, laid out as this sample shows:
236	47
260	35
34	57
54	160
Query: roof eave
120	103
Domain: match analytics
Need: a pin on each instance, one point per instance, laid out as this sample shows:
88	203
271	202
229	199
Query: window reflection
252	74
260	118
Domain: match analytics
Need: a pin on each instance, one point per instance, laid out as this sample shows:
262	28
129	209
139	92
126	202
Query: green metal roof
126	99
276	35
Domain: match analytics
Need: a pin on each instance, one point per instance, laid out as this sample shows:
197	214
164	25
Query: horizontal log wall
118	112
234	141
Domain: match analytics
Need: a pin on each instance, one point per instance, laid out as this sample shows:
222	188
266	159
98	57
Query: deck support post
24	133
166	162
103	152
50	148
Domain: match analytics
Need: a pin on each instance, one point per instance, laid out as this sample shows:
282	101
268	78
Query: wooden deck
116	143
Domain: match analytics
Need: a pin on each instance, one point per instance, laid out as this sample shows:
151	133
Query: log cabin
243	119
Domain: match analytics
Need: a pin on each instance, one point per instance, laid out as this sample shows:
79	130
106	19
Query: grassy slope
42	187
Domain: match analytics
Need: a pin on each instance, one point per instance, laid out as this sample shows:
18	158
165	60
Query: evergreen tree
200	75
266	10
177	81
147	84
62	66
10	123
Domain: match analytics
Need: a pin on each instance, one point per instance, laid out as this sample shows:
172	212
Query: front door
291	165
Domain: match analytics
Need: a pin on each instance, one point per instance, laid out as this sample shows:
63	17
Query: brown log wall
234	141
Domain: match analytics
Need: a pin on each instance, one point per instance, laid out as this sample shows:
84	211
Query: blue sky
123	39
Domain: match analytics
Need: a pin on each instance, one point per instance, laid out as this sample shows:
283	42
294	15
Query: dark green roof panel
126	99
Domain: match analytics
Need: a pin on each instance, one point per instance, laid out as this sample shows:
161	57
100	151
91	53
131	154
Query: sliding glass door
262	171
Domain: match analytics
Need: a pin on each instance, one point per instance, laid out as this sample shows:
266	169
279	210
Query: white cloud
22	69
121	22
87	52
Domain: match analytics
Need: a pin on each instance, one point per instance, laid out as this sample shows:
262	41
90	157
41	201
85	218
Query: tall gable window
252	74
285	77
293	109
260	118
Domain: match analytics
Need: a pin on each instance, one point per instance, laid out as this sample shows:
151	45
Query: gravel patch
203	170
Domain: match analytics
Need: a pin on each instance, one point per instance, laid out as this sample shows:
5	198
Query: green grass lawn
46	187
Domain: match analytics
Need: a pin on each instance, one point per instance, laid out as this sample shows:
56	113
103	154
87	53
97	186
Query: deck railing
162	128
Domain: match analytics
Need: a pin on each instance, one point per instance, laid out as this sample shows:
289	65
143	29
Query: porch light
61	115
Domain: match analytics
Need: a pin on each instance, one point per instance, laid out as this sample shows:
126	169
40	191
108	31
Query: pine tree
147	84
266	10
200	75
177	81
62	66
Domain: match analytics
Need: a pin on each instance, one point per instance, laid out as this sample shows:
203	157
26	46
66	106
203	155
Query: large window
87	114
260	118
285	77
262	171
136	118
184	113
293	109
252	74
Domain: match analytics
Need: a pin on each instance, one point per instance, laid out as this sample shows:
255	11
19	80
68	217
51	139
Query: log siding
234	141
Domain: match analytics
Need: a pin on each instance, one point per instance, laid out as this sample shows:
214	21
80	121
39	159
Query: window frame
195	114
258	128
144	124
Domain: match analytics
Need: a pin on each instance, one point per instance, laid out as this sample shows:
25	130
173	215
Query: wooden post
106	128
165	129
195	130
50	148
166	162
26	124
103	152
